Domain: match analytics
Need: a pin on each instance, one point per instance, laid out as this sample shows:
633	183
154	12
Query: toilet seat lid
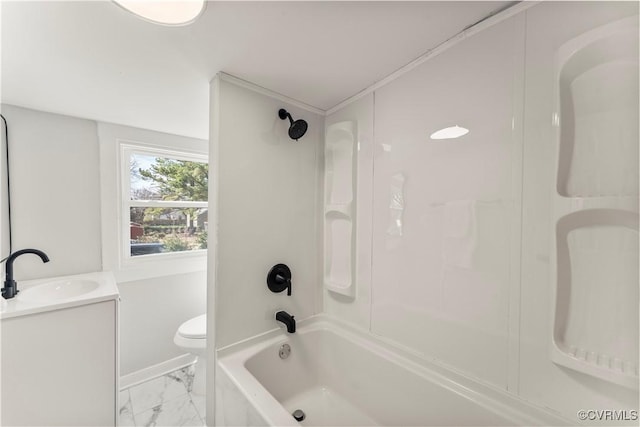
194	328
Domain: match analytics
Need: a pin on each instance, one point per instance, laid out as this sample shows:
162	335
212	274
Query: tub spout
288	320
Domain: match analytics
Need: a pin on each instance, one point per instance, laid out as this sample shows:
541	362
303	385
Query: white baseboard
156	371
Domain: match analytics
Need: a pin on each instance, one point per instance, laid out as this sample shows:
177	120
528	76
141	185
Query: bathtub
340	376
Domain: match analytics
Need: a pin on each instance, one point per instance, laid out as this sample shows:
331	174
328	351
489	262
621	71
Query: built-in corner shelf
596	314
340	208
595	199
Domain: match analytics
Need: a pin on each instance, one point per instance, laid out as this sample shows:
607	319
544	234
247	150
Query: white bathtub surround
163	401
267	194
396	205
443	286
594	251
268	204
358	309
466	284
460	233
340	375
596	204
495	218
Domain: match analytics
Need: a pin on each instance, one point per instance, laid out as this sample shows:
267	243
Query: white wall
55	192
151	311
477	209
55	180
268	192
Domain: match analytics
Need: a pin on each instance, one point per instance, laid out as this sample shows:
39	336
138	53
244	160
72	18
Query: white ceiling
92	59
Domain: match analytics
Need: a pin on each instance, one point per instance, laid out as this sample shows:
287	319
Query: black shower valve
279	279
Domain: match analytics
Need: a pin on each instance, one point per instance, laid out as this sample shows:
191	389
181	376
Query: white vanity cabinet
59	367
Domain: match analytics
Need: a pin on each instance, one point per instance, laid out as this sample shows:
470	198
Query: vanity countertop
55	293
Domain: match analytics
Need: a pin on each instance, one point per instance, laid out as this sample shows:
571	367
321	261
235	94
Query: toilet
192	337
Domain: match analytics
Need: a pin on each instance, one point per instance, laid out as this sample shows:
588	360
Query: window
164	203
123	152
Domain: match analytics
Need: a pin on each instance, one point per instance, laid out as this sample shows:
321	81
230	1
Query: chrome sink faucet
10	289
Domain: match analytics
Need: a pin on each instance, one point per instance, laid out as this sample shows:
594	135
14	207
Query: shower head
296	128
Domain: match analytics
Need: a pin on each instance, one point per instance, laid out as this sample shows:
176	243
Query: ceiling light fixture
450	132
164	12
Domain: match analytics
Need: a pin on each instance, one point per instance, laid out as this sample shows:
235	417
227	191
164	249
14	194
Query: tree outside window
167	204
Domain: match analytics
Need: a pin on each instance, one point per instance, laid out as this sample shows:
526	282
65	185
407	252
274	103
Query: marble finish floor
163	401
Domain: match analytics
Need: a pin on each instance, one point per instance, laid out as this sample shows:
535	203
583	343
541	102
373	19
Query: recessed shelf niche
596	319
598	95
340	208
595	204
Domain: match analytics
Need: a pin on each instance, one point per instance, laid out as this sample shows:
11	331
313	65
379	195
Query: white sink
41	295
58	290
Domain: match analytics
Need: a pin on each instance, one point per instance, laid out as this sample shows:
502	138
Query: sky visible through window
141	161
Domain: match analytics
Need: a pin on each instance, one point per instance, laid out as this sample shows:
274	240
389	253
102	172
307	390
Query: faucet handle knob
279	279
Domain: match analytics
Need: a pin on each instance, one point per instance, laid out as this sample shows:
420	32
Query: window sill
151	266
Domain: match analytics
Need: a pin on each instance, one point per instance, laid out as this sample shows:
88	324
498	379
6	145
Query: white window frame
126	150
114	172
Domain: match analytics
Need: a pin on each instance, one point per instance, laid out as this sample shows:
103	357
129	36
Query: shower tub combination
340	376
